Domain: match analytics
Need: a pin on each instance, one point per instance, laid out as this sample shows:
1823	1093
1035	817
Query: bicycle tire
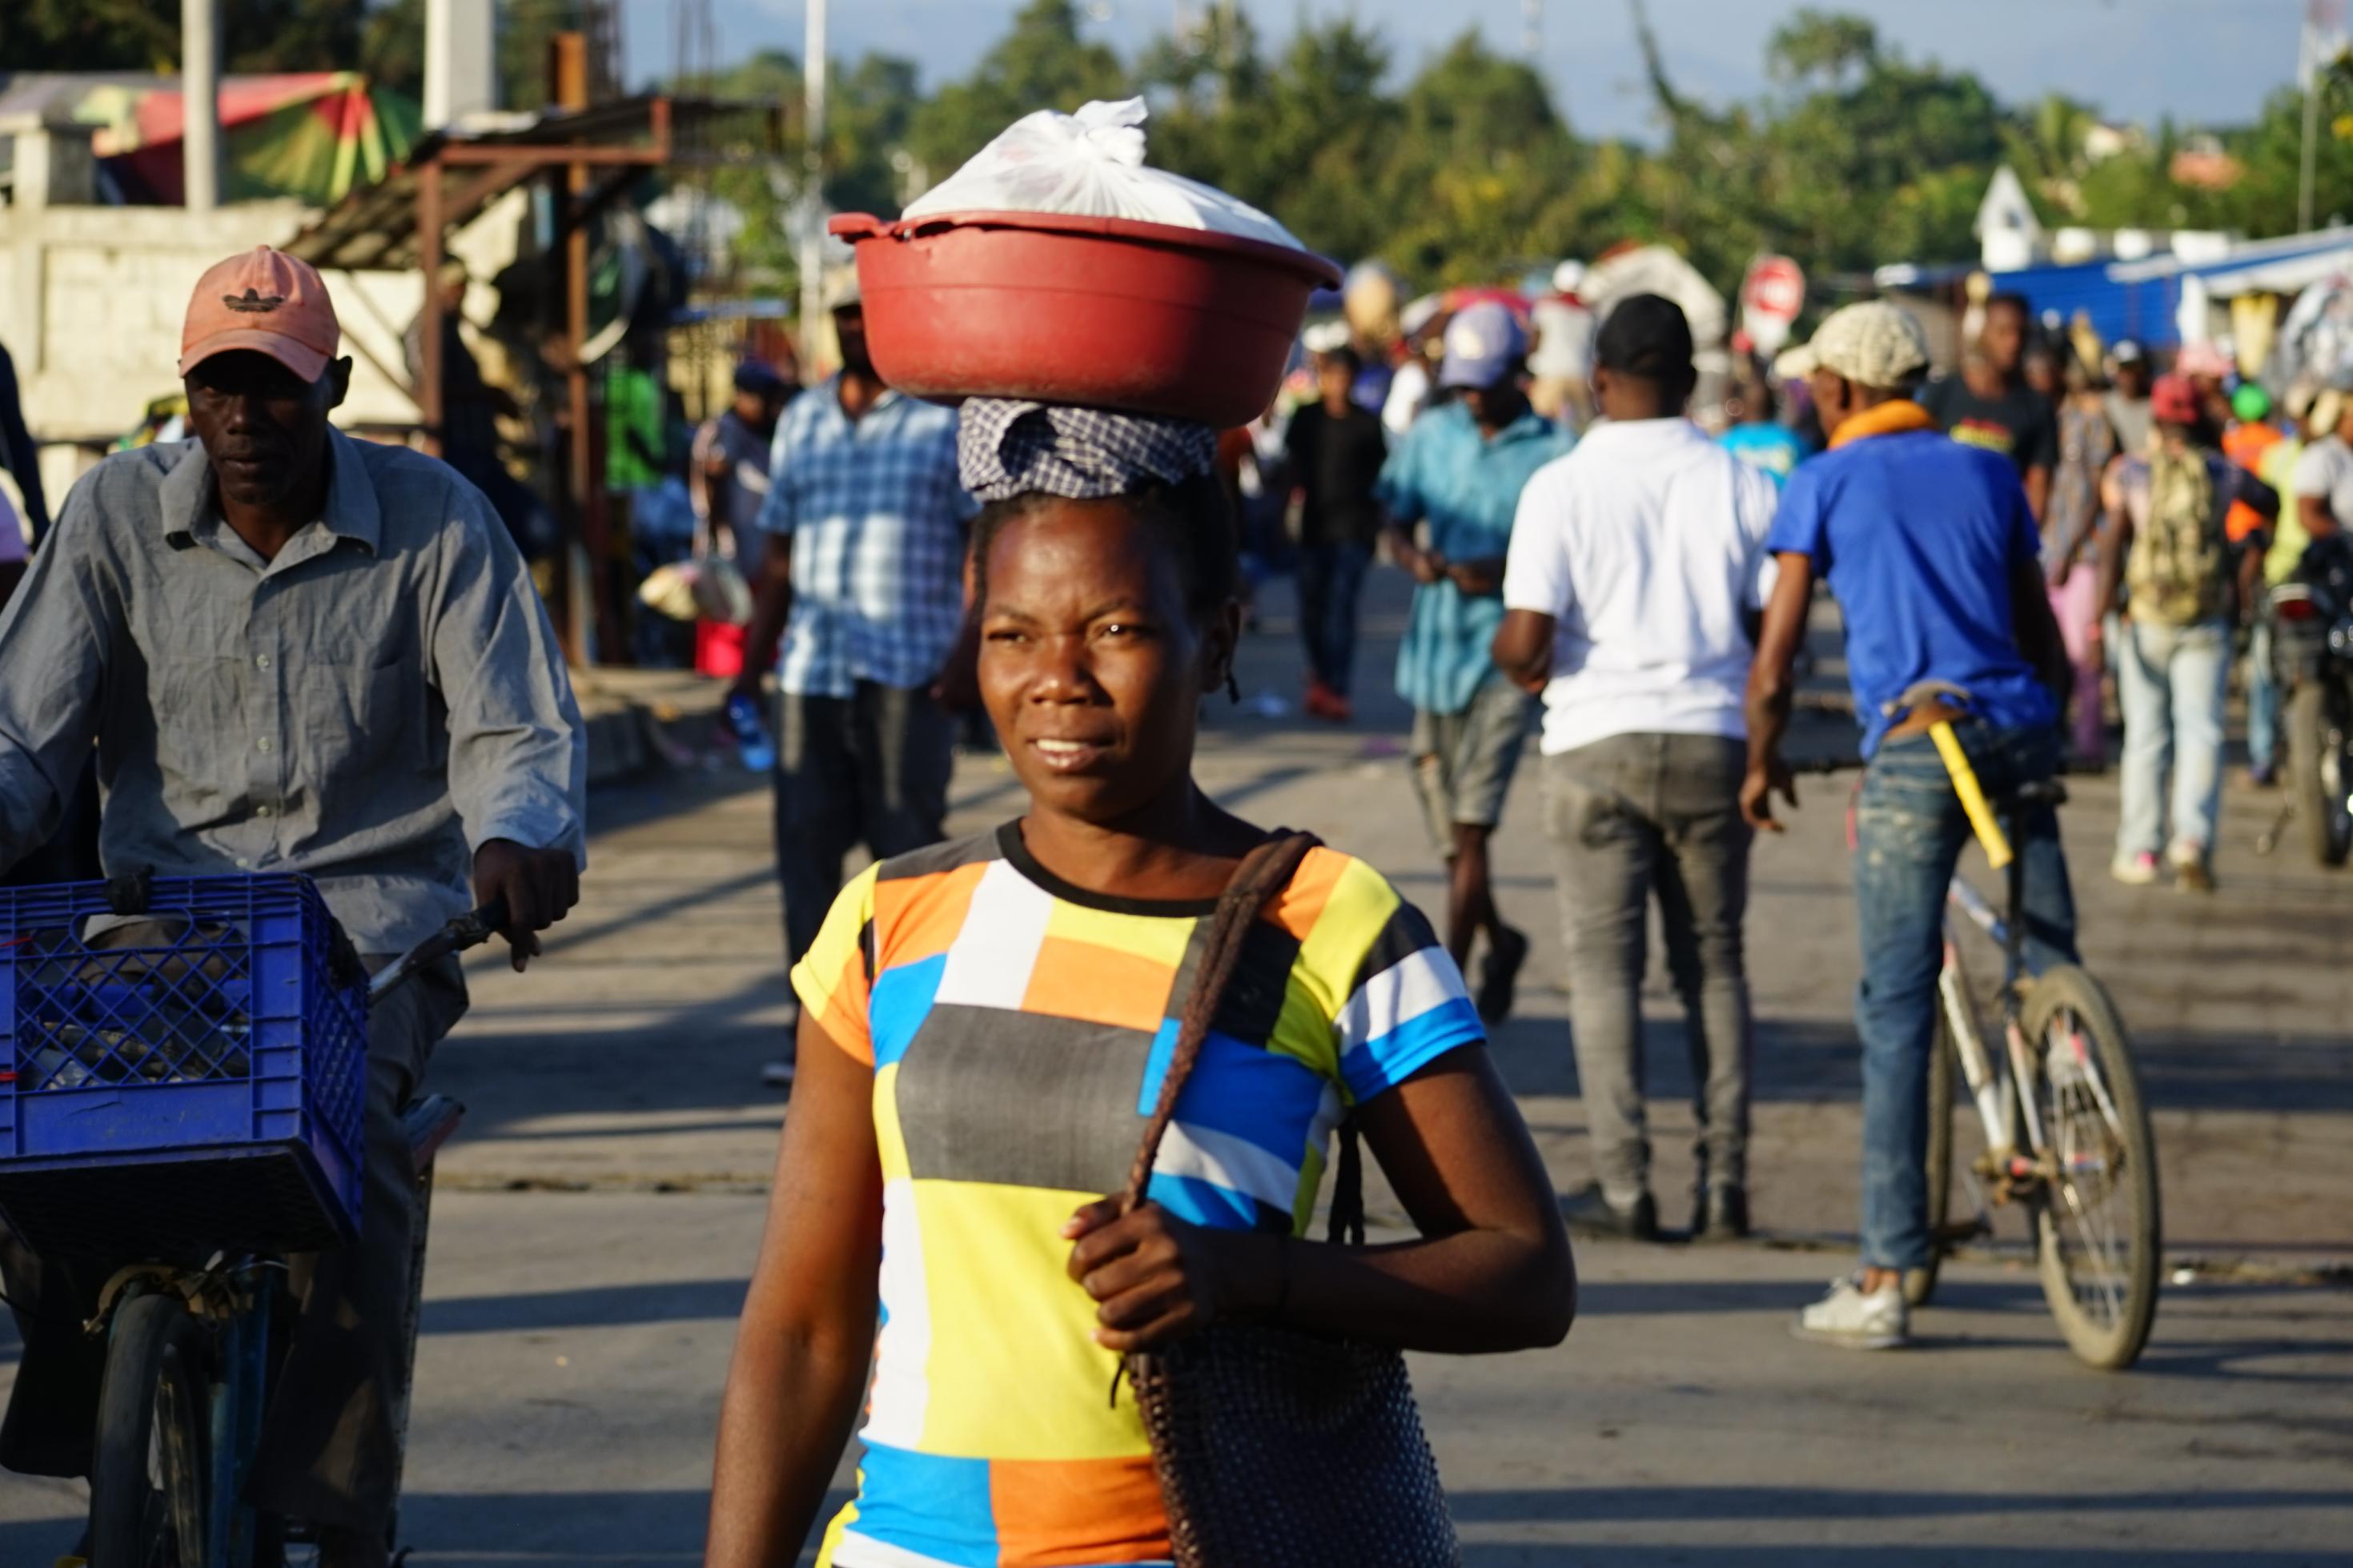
149	1472
2125	1169
1920	1284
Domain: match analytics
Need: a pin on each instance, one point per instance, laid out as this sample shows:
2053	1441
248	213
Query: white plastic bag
1090	165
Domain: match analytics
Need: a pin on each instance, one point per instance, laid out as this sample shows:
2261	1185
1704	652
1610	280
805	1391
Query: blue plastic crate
170	1101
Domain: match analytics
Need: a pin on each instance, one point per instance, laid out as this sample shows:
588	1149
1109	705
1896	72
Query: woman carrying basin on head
983	1026
1068	1087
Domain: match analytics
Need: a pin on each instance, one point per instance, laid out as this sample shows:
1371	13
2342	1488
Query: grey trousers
328	1444
1629	817
870	769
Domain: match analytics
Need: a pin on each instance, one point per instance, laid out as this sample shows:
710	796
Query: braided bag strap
1264	872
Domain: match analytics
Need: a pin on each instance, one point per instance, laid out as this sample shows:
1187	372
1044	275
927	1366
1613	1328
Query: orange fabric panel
916	918
1099	985
1301	903
843	1018
1063	1513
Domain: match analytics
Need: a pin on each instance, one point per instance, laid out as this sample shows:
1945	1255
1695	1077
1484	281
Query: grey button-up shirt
367	708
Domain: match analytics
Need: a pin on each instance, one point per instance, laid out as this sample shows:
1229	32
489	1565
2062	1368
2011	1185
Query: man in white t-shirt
1632	590
2324	477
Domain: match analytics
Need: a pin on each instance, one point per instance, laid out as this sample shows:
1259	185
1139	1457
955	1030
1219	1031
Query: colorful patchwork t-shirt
1018	1028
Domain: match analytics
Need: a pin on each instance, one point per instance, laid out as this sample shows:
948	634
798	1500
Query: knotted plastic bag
1090	165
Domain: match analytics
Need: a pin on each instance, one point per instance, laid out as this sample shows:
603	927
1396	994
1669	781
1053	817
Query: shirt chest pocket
198	700
355	716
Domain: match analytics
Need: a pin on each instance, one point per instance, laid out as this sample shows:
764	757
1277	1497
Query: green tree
257	36
2264	203
870	108
1303	136
1044	62
1479	155
1821	43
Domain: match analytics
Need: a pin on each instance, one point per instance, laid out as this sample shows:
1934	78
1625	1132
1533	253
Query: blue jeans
1910	832
2263	700
2172	680
1331	577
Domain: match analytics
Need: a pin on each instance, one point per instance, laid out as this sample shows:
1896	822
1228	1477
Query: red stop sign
1775	289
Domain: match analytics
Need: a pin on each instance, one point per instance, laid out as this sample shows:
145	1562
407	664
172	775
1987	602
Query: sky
2204	62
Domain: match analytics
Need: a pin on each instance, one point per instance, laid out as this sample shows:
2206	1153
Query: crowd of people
1633	598
2199	480
1593	569
1628	586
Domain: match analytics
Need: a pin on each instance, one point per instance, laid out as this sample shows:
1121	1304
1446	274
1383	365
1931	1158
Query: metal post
429	225
199	105
581	604
2311	134
813	186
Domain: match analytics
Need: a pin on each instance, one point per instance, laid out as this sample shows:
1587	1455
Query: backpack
2177	569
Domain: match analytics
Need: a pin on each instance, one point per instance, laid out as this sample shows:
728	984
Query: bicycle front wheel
150	1474
2096	1226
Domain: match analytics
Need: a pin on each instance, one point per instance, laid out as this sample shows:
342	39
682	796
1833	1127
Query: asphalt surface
599	1213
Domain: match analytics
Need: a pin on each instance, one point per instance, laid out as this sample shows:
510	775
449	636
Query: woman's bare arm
1491	1270
803	1349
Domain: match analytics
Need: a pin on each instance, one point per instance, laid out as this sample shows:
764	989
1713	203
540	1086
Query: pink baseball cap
2173	399
267	302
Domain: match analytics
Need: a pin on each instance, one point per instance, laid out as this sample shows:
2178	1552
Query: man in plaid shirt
864	577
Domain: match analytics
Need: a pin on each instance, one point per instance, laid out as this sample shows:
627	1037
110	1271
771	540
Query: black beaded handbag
1274	1447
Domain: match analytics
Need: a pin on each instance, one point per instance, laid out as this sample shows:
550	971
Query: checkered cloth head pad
1006	448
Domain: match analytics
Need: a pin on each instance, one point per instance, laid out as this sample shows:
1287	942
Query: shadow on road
1634	1504
1477	1555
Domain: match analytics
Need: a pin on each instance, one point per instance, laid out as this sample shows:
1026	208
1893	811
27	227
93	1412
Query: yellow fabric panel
1013	1372
830	1542
830	978
1360	904
1156	938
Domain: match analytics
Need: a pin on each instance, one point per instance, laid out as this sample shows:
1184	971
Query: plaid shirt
877	520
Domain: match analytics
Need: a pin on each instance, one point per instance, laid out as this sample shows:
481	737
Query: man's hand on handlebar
538	887
1765	779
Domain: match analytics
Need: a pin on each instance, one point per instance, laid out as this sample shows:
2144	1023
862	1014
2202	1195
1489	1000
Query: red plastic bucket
1103	313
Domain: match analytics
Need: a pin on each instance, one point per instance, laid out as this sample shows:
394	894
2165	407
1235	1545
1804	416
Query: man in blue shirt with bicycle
1933	555
293	652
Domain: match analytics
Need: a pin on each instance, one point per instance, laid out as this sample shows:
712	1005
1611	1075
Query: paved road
599	1216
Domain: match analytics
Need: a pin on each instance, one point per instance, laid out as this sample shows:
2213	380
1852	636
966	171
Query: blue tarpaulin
2140	300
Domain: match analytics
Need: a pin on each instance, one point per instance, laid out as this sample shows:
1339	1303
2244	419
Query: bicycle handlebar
470	930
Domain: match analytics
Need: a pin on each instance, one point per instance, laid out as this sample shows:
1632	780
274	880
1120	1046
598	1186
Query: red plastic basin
1103	312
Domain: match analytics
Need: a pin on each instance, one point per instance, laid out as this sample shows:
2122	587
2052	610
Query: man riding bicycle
295	652
1932	552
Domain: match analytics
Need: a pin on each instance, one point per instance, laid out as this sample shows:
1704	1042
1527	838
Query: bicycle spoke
2087	1152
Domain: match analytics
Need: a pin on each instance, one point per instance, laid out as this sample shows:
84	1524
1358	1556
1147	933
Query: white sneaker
2193	869
2134	870
1854	1320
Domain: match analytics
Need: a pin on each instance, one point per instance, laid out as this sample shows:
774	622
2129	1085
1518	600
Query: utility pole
2304	179
1532	29
2321	47
200	105
812	184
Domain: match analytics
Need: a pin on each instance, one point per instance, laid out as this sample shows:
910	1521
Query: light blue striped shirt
1467	487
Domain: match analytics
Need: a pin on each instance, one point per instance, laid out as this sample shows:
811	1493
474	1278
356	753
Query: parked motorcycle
2312	647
